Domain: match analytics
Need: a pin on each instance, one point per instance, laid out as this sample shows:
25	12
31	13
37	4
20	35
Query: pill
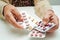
37	31
23	13
36	23
32	20
27	24
31	34
30	28
26	21
33	31
40	22
25	18
40	35
29	17
27	27
36	35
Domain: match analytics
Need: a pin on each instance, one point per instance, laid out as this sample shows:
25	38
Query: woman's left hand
51	17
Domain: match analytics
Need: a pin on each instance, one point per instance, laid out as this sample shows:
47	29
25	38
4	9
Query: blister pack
37	34
37	28
27	23
44	28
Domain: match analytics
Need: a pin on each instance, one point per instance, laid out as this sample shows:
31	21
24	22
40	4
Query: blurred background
55	2
31	2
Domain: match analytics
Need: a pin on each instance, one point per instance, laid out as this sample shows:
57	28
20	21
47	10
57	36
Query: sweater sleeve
41	7
2	4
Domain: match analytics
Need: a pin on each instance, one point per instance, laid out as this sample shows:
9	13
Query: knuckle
6	15
45	18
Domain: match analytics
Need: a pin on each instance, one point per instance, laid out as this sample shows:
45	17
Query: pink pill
40	35
31	34
26	21
25	18
37	31
33	31
36	35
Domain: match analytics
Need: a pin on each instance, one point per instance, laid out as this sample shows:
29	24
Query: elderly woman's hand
11	14
51	17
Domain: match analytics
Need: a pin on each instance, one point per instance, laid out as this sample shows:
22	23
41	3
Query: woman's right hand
11	14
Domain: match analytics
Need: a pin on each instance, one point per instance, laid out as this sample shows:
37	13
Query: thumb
45	20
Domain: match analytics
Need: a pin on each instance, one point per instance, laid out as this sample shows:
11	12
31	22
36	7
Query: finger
47	17
15	18
17	14
13	21
54	20
7	19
